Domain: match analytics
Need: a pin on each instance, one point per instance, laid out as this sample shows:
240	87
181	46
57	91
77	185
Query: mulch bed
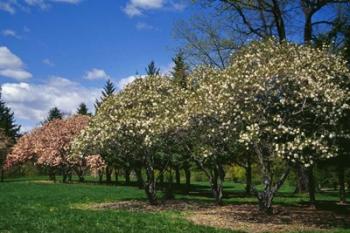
246	217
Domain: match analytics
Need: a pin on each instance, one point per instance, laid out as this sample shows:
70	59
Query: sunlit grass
35	205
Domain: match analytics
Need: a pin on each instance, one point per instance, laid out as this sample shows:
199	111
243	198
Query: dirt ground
246	217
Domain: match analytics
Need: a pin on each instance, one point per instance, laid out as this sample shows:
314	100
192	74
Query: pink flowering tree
49	146
96	165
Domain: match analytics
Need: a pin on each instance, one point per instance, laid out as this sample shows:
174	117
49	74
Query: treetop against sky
61	52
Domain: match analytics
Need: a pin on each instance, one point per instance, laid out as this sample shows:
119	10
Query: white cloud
96	74
166	70
137	7
42	4
68	1
125	81
31	102
144	26
11	66
8	7
48	62
16	74
10	33
11	6
179	6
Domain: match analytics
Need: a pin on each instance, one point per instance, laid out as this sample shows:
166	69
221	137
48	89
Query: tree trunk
150	186
217	184
138	173
311	187
279	20
265	201
64	174
169	194
116	175
81	179
177	175
100	176
161	179
70	176
341	178
64	178
188	179
265	197
109	171
52	175
80	174
248	175
127	175
308	28
303	180
2	175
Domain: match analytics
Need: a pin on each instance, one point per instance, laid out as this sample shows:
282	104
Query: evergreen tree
7	121
152	70
107	91
180	70
83	110
54	113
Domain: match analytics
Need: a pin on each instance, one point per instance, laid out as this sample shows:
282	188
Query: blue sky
60	52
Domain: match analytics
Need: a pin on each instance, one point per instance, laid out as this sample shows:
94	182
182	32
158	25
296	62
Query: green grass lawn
32	205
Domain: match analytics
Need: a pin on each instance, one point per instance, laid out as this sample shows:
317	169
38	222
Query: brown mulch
245	217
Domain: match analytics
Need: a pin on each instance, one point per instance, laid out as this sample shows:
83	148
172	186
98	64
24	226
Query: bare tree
224	25
206	39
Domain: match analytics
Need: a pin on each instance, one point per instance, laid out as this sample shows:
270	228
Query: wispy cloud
48	62
144	26
31	102
8	7
138	7
68	1
11	66
11	6
96	74
10	33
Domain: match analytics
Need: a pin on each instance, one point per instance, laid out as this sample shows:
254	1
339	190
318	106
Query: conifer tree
180	70
107	91
152	70
54	113
83	110
7	121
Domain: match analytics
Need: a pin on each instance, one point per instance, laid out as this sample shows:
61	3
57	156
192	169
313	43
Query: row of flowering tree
279	102
49	147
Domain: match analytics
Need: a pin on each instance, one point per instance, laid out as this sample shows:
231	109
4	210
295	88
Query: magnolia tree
133	124
212	130
281	100
23	150
5	144
50	146
96	165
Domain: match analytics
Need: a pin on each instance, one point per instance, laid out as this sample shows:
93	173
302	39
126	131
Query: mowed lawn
40	206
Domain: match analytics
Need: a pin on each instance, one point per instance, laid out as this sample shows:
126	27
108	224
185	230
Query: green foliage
83	110
54	113
107	91
236	173
180	70
7	121
152	70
